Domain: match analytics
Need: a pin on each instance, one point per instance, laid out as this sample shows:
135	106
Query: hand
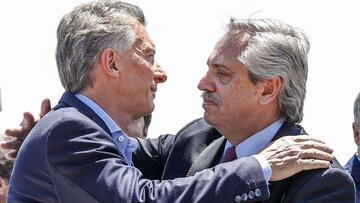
13	145
292	154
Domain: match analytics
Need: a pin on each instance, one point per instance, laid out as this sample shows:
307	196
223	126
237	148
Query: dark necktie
230	155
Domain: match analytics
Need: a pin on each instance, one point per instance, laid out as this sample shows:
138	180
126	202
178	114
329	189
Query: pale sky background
185	32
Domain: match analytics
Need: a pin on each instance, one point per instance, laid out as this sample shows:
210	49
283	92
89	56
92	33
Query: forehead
143	40
229	47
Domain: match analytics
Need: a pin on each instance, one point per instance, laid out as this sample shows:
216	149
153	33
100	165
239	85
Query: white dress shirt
257	142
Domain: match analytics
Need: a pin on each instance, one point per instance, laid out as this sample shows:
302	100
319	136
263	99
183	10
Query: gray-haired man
79	152
253	93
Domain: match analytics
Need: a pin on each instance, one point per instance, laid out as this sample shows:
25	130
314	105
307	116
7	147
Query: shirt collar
125	144
257	142
110	123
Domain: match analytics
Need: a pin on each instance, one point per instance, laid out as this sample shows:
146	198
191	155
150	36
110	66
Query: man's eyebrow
147	47
217	65
143	45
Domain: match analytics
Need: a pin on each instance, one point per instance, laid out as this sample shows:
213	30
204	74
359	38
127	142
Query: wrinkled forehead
143	41
230	45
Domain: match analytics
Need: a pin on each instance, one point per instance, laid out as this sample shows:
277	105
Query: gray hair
357	111
88	30
276	49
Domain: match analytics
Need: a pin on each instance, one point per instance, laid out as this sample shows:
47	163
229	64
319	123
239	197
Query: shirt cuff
265	167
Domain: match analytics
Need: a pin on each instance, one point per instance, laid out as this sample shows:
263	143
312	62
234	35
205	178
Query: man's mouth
207	101
153	89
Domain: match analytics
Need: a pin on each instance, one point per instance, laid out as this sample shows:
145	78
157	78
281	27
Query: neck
245	129
121	118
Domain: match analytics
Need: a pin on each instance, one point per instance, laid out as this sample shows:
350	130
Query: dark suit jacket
199	146
70	156
353	168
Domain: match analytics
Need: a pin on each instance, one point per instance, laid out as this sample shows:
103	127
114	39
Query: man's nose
160	75
206	84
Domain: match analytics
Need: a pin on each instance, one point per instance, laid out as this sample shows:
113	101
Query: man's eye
224	78
151	58
222	74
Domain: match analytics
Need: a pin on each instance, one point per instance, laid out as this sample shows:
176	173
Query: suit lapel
209	157
353	167
212	154
69	99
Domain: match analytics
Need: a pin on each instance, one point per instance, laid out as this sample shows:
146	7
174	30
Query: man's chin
209	119
150	109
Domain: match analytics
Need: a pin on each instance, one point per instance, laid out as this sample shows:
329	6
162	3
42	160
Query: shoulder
56	121
66	120
66	130
335	176
335	171
322	185
198	128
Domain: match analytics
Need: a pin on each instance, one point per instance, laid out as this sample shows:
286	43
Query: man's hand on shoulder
292	154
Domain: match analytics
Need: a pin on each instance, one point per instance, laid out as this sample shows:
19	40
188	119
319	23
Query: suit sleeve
151	155
322	186
82	157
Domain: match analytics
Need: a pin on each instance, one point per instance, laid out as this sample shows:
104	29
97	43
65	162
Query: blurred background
185	33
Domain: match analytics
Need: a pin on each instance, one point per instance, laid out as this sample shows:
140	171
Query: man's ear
356	134
270	91
108	62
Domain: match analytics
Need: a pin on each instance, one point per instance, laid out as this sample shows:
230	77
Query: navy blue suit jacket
353	167
70	156
199	146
